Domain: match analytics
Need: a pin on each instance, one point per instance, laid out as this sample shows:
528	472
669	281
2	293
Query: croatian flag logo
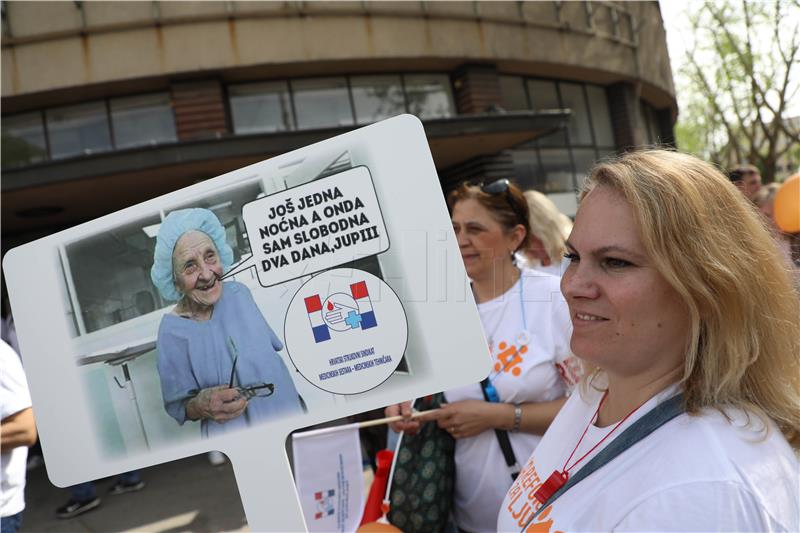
341	312
324	500
318	326
361	296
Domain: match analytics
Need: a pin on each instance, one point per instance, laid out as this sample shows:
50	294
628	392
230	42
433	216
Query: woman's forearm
536	416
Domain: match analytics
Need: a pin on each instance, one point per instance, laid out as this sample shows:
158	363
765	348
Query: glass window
527	171
227	206
649	124
644	124
652	120
429	95
79	129
584	160
601	116
557	138
142	120
579	130
111	275
543	94
259	107
322	103
557	168
23	140
377	97
512	93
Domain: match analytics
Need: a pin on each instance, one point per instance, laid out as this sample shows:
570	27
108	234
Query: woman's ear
516	237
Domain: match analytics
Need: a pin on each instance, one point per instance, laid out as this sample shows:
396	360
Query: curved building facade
106	104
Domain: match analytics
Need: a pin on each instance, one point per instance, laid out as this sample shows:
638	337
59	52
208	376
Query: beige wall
59	45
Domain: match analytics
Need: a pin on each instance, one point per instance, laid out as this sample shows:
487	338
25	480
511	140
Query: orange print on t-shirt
509	358
540	525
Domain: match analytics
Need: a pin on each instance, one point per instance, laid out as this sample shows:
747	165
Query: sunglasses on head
503	186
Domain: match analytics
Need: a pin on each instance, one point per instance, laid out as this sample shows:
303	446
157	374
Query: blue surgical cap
174	225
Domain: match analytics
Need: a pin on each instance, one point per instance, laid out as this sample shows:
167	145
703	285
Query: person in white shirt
527	327
678	300
545	249
17	433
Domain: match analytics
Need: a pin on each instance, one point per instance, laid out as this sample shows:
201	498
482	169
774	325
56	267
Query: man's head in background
747	178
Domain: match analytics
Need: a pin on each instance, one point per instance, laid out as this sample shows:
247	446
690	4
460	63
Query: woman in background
549	227
527	328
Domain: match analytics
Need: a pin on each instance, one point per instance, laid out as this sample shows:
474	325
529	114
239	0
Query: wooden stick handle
390	419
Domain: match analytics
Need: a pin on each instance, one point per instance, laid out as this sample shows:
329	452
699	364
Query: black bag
424	476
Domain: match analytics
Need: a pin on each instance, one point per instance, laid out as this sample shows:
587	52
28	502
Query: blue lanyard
489	388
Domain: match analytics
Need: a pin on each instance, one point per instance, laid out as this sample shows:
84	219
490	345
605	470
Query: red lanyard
558	479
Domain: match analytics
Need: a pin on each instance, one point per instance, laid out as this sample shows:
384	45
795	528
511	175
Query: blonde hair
548	224
709	243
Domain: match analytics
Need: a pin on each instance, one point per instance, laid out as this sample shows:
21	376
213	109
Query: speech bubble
313	227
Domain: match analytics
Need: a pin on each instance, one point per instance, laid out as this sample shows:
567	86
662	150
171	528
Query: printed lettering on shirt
521	509
542	524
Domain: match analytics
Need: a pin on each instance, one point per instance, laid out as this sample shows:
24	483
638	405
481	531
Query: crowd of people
681	303
645	357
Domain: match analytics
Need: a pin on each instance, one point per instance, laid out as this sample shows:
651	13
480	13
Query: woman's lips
587	318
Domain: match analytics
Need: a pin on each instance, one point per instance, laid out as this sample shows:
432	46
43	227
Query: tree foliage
740	77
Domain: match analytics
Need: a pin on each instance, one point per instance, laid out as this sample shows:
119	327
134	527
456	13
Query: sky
674	23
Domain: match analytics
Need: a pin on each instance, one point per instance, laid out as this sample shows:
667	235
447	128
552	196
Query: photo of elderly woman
217	355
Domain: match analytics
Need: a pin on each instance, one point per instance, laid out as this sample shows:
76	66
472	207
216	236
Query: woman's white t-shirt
695	473
528	367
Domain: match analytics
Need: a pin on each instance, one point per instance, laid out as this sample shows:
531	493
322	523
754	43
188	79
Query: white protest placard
116	368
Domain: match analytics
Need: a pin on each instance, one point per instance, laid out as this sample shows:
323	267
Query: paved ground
186	495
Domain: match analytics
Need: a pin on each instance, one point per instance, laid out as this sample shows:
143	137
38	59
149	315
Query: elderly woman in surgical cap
217	356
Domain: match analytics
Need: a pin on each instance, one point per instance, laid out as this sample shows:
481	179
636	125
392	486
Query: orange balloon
787	205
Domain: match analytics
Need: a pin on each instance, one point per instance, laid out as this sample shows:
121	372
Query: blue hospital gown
196	355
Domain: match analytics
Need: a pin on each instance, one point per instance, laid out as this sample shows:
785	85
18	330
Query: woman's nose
461	239
206	273
579	281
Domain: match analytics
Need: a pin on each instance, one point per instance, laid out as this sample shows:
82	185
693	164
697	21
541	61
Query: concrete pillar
624	106
476	88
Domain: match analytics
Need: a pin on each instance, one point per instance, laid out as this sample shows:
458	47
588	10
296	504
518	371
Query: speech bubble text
313	227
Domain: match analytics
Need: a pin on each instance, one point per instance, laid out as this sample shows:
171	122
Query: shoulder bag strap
502	439
657	417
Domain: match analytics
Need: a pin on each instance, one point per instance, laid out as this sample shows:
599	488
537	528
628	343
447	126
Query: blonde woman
549	230
683	312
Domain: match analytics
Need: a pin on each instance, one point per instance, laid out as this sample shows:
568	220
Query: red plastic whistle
550	486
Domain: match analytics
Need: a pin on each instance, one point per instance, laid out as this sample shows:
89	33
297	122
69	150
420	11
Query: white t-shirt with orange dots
531	361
